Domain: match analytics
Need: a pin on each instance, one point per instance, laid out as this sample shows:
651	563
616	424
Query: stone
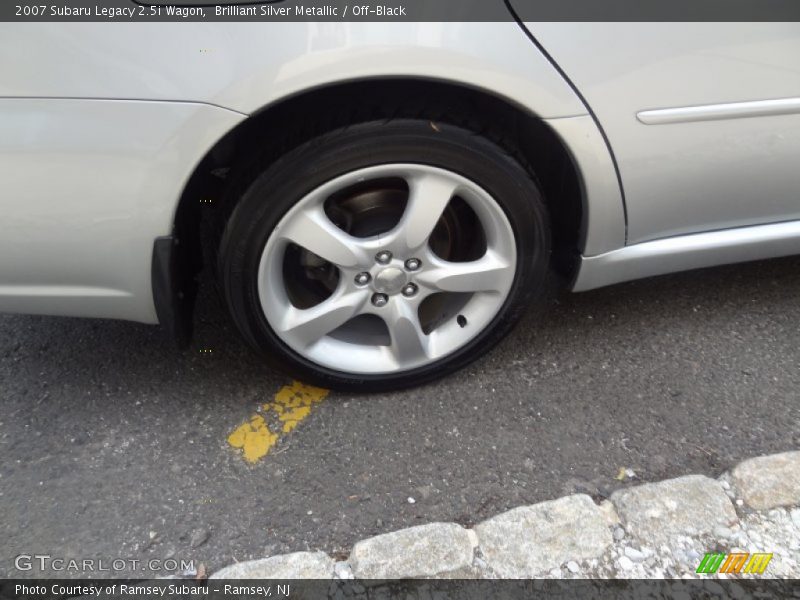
795	515
634	554
722	532
660	512
768	481
532	540
573	567
625	563
199	537
433	550
609	512
693	556
473	538
342	570
298	565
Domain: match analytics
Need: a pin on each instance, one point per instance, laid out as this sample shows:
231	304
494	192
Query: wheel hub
390	280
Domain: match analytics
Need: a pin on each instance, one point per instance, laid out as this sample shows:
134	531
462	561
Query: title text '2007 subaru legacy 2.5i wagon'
380	202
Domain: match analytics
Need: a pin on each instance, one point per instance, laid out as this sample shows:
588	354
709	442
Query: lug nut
363	278
409	290
380	300
412	264
383	257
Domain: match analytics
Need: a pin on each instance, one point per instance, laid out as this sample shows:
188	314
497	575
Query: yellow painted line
291	405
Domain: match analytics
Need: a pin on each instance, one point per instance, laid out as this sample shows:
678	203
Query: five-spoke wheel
384	254
390	274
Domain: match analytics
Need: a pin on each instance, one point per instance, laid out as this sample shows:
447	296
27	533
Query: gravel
774	532
572	537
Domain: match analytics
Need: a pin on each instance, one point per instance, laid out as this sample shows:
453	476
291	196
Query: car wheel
385	254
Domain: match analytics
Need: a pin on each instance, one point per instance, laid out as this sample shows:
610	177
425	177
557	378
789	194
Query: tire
282	294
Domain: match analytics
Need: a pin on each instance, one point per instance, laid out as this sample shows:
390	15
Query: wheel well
290	122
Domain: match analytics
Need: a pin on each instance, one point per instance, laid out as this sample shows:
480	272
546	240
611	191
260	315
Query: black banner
399	10
440	589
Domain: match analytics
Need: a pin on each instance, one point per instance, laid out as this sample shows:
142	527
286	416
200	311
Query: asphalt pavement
114	445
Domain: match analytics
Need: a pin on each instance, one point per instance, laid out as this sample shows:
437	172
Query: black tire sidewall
283	183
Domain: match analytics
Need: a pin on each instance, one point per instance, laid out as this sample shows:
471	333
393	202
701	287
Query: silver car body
686	136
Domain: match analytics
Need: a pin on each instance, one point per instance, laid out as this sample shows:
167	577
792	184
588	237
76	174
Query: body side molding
717	112
687	252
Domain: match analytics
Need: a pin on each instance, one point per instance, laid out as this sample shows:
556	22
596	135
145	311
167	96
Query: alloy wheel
387	268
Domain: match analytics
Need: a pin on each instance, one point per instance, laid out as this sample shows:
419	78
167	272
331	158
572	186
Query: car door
729	161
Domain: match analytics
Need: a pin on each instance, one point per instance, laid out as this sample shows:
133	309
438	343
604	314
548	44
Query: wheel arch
292	120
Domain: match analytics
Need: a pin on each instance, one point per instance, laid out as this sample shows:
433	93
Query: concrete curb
651	530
